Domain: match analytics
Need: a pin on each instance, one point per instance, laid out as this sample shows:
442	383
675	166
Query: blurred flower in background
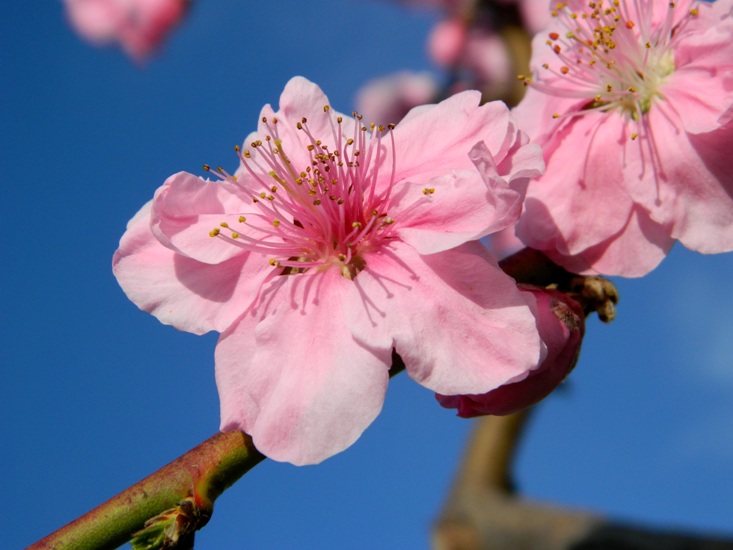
391	97
138	26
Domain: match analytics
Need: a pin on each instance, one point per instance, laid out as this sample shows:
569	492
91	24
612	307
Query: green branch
198	477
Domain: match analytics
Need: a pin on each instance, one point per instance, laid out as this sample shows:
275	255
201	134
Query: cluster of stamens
611	60
324	214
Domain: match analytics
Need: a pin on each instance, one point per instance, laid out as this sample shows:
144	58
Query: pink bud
447	41
560	322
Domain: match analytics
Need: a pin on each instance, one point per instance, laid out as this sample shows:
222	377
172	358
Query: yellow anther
242	219
224	224
214	232
207	167
428	191
276	222
235	235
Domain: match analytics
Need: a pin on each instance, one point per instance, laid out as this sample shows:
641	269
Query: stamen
614	56
316	205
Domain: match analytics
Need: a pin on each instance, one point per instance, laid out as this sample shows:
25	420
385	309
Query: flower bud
447	41
560	322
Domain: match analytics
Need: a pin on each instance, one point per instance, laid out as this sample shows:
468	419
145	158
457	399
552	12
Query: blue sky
97	394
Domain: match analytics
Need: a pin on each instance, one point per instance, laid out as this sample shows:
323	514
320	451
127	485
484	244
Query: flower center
326	213
613	61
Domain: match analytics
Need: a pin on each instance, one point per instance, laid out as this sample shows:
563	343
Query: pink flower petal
294	378
696	198
457	210
179	291
580	201
633	252
560	320
186	209
460	123
704	80
455	318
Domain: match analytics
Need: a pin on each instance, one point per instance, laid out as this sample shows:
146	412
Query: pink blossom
391	97
560	321
333	244
139	26
632	106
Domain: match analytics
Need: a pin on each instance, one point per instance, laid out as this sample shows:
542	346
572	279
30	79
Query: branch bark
197	477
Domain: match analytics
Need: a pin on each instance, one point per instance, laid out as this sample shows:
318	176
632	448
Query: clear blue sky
97	394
